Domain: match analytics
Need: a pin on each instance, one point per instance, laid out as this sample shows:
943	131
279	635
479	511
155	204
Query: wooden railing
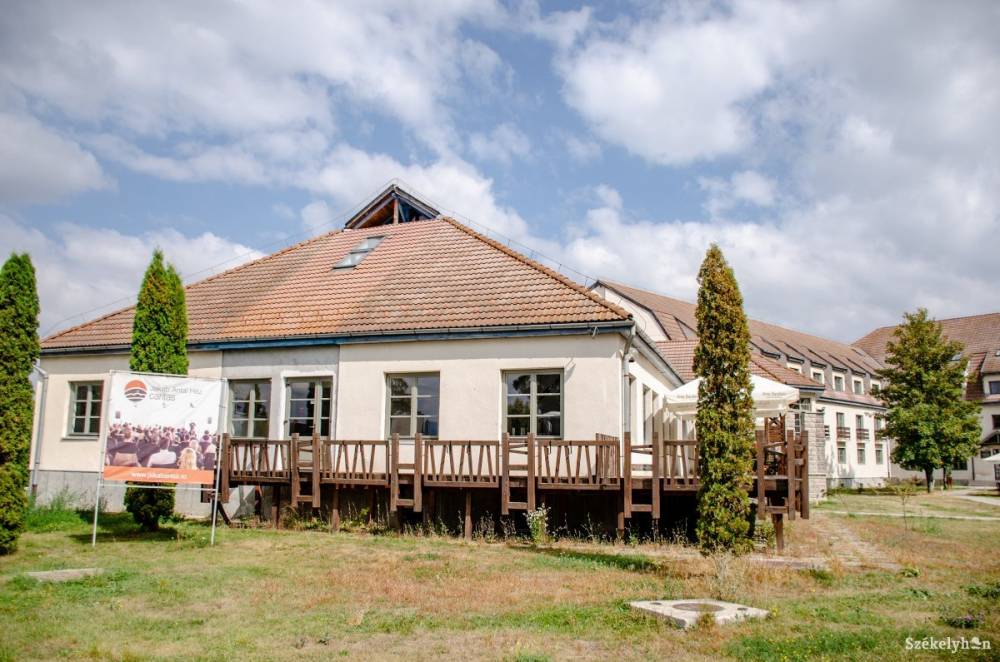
680	464
461	463
843	432
578	464
263	460
355	462
861	433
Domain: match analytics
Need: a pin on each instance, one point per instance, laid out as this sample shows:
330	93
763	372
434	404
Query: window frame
858	386
323	383
819	376
250	419
990	384
414	400
88	415
862	452
996	421
842	381
841	453
879	453
533	400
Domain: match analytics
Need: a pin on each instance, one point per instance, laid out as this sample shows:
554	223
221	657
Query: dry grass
263	595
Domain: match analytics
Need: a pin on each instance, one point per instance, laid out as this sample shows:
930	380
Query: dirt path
846	546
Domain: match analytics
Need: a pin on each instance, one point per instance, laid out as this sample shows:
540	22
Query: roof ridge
212	277
540	267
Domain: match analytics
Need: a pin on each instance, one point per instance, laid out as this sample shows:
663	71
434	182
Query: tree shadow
120	527
629	562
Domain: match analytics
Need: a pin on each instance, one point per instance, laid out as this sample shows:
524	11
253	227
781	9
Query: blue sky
843	154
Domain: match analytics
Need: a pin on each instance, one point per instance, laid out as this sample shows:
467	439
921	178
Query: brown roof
680	355
677	317
434	274
980	335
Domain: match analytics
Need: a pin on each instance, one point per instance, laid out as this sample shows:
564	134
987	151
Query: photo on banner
162	429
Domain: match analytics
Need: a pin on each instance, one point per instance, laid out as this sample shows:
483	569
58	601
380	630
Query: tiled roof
674	314
980	334
680	355
434	274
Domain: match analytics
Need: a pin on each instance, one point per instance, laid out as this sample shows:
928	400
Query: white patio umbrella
770	398
992	458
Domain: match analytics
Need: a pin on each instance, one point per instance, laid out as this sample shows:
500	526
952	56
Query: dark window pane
79	425
262	391
427	406
400	426
95	392
80	409
517	426
241	391
95	408
324	410
517	405
548	404
519	384
260	410
399	407
549	426
241	409
324	428
81	392
548	383
301	390
399	386
428	385
260	429
428	425
301	427
239	428
300	409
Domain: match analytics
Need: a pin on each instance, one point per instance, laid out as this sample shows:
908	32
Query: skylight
358	253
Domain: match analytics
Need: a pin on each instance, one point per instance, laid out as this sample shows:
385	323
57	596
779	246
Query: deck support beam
468	514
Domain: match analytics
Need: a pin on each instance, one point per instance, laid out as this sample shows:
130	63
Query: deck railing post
418	490
627	474
655	484
293	470
530	450
393	472
316	496
761	498
505	474
790	472
804	492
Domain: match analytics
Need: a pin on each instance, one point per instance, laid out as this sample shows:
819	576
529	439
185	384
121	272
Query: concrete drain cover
69	575
685	613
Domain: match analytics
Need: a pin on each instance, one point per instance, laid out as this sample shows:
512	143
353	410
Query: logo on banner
135	390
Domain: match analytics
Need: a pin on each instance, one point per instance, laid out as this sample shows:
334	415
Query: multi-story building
980	334
836	379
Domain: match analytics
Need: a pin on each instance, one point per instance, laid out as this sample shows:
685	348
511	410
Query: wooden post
429	510
656	480
418	490
779	530
804	492
468	514
530	450
761	497
505	474
627	474
335	511
276	505
293	470
394	473
224	469
791	459
316	495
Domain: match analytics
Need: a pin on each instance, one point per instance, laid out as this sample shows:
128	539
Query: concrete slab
686	613
67	575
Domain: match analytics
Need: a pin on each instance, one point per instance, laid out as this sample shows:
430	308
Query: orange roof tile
435	274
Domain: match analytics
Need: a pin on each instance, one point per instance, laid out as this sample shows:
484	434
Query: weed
965	621
990	591
538	524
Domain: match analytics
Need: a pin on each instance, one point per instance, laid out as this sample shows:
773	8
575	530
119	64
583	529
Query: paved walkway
848	547
993	501
920	515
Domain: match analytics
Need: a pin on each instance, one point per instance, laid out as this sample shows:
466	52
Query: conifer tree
159	344
725	420
18	351
928	417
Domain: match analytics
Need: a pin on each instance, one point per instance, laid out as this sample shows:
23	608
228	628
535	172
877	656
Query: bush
149	505
538	524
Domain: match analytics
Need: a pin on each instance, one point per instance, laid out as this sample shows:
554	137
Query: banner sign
162	429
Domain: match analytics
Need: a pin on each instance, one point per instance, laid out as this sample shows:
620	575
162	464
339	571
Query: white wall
852	473
643	318
471	402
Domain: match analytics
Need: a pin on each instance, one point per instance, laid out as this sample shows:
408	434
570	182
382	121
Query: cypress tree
725	420
932	423
159	344
18	351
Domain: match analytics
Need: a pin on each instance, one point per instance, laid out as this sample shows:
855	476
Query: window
533	403
308	407
838	382
862	452
842	453
819	376
859	387
996	421
414	401
85	408
358	253
994	387
841	420
250	411
794	366
960	465
879	454
859	421
987	452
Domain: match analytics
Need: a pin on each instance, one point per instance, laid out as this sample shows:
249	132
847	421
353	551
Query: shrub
538	524
147	506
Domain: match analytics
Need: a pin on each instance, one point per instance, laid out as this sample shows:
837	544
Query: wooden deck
520	470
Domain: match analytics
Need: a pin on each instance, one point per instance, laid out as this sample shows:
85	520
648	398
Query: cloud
502	145
317	217
744	187
77	283
582	150
39	165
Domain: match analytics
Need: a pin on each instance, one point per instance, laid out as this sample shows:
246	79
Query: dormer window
358	253
994	387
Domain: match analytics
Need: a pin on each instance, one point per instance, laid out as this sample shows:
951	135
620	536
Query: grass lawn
262	594
921	503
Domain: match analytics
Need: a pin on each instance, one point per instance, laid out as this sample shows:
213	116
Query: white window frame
88	411
533	400
251	418
414	397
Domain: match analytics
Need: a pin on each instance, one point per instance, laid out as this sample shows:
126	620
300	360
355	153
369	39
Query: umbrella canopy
992	458
770	398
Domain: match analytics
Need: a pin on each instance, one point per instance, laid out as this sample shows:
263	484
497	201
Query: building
980	335
834	378
398	324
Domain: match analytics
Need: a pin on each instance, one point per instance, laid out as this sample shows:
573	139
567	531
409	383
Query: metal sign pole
102	449
218	457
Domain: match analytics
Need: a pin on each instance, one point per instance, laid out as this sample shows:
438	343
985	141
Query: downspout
41	425
626	387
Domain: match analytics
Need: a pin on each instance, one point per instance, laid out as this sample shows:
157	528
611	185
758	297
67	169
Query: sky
844	155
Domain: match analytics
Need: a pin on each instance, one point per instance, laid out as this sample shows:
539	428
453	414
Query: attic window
358	253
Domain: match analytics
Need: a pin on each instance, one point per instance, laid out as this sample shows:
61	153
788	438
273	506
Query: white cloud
610	197
502	145
744	187
582	150
77	283
317	217
38	165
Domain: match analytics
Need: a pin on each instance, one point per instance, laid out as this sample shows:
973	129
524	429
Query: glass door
308	407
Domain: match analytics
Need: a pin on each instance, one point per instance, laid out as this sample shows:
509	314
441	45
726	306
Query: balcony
843	433
862	434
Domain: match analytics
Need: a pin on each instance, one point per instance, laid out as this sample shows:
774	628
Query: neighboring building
397	324
980	334
835	379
